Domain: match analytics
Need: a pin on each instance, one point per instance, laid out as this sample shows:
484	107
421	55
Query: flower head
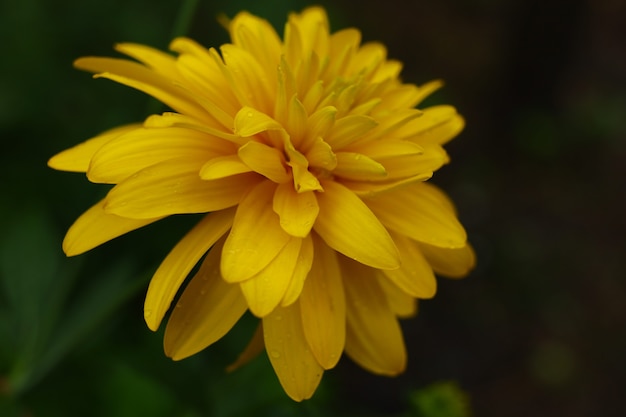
308	158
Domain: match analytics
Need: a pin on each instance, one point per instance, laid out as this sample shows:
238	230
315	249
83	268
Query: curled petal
297	211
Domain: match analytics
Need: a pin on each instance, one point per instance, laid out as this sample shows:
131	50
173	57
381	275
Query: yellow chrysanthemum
309	158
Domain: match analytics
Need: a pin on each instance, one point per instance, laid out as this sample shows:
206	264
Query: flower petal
179	262
451	263
174	187
78	158
419	212
206	311
347	225
437	125
297	211
356	166
294	364
131	152
349	129
415	276
323	307
255	346
95	227
256	237
373	336
265	160
265	290
223	167
402	304
303	266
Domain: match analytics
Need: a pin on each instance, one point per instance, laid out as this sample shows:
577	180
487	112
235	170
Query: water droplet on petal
147	313
275	354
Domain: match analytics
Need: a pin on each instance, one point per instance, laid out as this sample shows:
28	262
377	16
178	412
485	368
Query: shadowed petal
179	262
451	263
206	311
303	266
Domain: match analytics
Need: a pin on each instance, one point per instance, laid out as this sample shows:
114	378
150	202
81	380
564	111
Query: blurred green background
539	176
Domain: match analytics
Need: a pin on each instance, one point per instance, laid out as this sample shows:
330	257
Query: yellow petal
131	152
297	211
323	307
318	125
174	187
418	211
437	125
256	237
249	122
180	261
206	311
265	160
405	166
451	263
389	148
265	290
367	189
143	79
294	364
256	36
222	167
95	226
321	155
402	304
356	166
349	129
159	61
415	276
301	270
347	225
77	158
373	336
255	346
303	179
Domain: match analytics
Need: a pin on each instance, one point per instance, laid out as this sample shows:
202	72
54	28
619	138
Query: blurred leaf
441	399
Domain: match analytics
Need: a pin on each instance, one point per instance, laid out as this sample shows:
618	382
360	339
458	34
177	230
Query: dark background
538	175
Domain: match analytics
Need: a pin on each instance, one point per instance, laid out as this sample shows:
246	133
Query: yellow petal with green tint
437	125
347	225
180	261
297	211
222	167
131	152
373	336
349	129
95	227
255	346
415	276
451	263
417	211
265	160
207	309
323	307
292	360
356	166
402	304
143	79
300	272
78	158
174	187
265	290
256	237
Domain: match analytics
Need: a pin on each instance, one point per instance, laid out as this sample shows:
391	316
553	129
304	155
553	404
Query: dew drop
147	313
202	292
179	305
250	114
275	354
279	317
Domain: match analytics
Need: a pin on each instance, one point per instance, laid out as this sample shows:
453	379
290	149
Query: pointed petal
356	166
297	211
265	290
373	336
451	263
131	152
255	346
250	121
303	266
419	212
78	158
323	307
222	167
437	125
415	276
294	364
256	237
265	160
347	225
95	227
180	261
321	155
349	129
157	60
206	311
174	187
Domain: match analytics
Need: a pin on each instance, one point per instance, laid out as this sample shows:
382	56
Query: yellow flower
309	159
